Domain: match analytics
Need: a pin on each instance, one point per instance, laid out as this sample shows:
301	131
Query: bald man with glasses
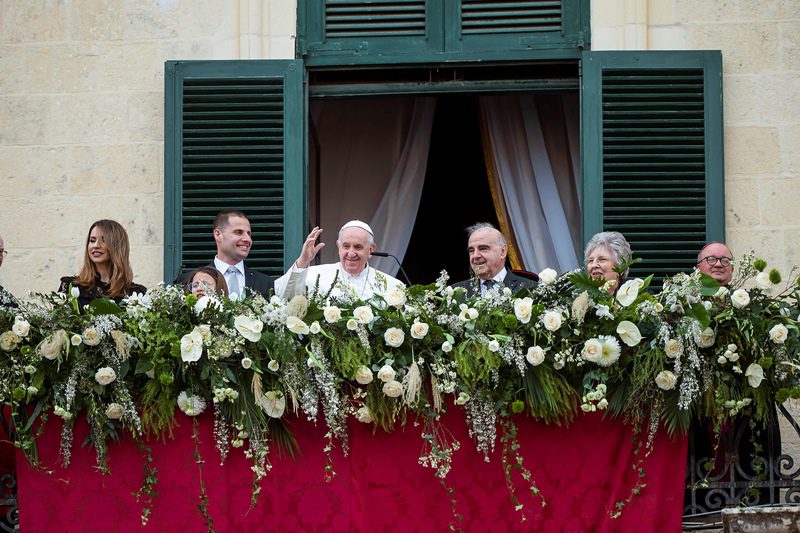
716	260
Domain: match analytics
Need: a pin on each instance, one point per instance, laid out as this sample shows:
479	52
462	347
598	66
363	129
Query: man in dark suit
487	251
233	237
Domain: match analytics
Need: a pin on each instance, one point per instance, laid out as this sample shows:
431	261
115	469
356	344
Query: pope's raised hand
310	249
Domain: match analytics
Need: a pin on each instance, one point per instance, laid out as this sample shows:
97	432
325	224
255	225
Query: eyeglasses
4	252
713	260
602	260
204	285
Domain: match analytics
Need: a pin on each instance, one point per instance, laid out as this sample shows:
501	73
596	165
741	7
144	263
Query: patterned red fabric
581	471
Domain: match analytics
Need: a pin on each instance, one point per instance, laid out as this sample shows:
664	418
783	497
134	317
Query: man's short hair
486	225
221	220
709	243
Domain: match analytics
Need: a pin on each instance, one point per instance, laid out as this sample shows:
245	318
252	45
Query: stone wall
82	118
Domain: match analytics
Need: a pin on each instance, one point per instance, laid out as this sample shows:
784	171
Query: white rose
247	363
201	304
21	327
523	308
9	341
740	298
352	325
706	338
53	346
297	306
611	350
552	320
535	355
363	314
629	333
314	327
332	314
394	337
419	330
446	347
393	389
763	282
754	375
396	297
105	375
249	328
666	380
364	375
191	346
672	348
273	365
778	334
76	340
363	416
592	350
274	403
548	276
296	326
628	292
494	346
386	373
114	411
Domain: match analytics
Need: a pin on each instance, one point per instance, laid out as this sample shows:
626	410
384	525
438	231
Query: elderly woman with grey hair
604	252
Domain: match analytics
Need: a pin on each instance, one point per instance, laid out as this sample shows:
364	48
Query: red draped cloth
581	470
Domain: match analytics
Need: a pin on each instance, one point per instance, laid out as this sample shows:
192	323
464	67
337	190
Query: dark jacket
100	290
513	281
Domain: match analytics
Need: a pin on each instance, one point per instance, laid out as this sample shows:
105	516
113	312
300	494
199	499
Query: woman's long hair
115	239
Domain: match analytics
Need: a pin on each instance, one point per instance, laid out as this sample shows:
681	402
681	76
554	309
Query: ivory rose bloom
494	346
548	276
706	338
332	314
393	389
249	328
535	355
523	308
446	347
419	330
386	373
297	306
396	297
191	347
21	326
114	411
754	375
9	341
740	298
629	333
778	334
105	375
363	314
628	292
592	350
364	375
363	416
90	337
297	326
666	380
763	282
552	320
394	337
672	348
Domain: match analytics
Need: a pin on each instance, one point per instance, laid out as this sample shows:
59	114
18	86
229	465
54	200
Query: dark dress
100	290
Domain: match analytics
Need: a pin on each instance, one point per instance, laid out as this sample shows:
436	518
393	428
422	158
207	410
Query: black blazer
513	281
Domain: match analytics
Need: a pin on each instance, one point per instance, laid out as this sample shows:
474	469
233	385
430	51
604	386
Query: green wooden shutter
652	153
485	25
234	138
342	32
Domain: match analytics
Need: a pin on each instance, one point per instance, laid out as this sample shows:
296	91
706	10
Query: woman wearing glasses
604	252
716	260
106	270
206	280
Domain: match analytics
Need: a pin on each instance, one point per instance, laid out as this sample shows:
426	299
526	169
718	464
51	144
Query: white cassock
361	286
